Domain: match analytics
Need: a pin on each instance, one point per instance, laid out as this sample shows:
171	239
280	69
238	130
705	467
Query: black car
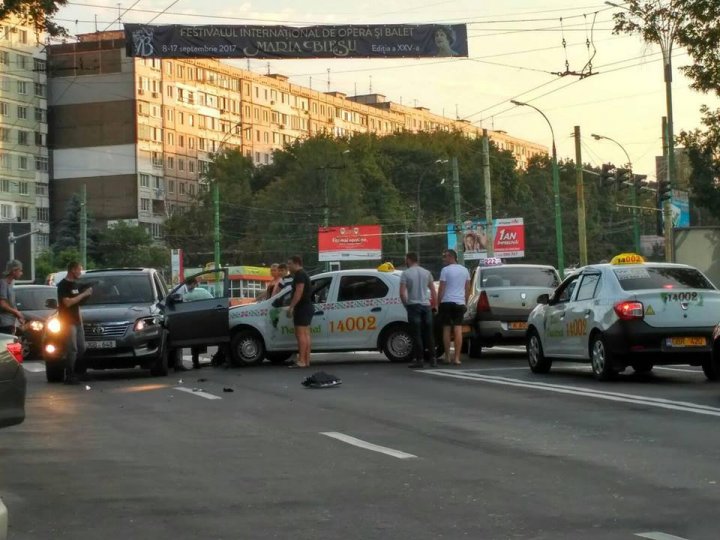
37	303
130	320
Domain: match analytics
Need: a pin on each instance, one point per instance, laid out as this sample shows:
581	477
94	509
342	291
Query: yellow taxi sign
386	267
627	258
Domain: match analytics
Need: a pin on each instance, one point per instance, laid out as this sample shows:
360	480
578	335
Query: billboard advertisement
277	42
176	265
353	243
680	206
508	241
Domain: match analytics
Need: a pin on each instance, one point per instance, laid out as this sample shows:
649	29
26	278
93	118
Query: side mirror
543	299
51	303
175	298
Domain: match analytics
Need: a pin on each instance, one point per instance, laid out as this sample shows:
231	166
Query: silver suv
501	299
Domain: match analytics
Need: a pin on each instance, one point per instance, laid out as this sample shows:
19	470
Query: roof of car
513	265
98	270
358	272
34	286
641	265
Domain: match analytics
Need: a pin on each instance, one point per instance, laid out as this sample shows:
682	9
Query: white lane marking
199	393
500	369
34	367
658	536
366	445
696	371
580	391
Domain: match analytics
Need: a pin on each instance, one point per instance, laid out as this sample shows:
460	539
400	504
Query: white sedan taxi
355	310
627	313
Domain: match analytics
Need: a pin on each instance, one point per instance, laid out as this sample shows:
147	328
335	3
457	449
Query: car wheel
474	348
278	357
641	369
247	348
537	360
711	365
159	367
602	359
54	372
397	344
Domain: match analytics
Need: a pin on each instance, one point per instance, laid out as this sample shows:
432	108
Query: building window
4	58
4	109
181	164
41	190
22	87
191	143
22	112
144	180
170	162
5	186
39	65
171	186
168	68
191	165
145	205
42	214
181	141
23	188
40	115
156	230
40	90
41	164
22	163
4	160
23	213
39	139
4	134
157	160
157	182
22	137
6	211
22	36
171	139
181	186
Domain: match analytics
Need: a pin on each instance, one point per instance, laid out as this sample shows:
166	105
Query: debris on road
228	390
322	380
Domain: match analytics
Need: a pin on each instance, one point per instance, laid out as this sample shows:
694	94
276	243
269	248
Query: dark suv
130	320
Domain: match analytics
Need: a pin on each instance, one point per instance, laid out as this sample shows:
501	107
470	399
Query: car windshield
659	277
34	299
118	289
507	276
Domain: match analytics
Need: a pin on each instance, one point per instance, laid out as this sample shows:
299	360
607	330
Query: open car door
199	319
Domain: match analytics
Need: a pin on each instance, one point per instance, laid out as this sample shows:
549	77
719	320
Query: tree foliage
38	13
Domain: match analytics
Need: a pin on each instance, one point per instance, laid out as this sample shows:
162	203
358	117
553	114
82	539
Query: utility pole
83	225
458	218
326	208
582	232
667	203
489	225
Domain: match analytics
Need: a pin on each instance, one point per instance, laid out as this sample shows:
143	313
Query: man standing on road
453	296
70	295
9	314
301	310
418	295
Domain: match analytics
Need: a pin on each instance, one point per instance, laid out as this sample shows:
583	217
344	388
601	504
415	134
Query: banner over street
338	41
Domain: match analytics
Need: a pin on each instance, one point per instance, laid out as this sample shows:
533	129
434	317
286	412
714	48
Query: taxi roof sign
627	258
490	261
386	267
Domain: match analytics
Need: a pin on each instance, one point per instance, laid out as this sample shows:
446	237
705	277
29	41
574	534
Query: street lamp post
633	191
556	191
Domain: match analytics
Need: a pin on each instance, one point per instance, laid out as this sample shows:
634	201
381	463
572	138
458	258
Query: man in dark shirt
301	309
69	297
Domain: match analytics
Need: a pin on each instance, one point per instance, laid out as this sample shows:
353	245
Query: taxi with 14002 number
627	313
355	310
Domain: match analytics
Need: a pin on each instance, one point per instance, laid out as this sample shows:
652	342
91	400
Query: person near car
10	316
70	294
453	295
301	310
193	293
275	278
285	280
419	297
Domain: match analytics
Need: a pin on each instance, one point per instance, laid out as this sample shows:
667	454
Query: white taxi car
355	310
627	313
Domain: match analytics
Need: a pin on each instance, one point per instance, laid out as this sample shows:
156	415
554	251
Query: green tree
36	12
124	245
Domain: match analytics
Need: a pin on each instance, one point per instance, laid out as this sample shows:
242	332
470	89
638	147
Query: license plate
518	325
686	342
100	344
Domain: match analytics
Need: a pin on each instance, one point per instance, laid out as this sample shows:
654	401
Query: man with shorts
453	295
301	310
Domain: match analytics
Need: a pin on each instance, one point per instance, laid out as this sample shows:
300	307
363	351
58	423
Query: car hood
37	314
116	313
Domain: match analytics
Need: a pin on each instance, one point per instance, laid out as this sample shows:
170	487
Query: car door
283	333
555	339
357	312
580	315
203	321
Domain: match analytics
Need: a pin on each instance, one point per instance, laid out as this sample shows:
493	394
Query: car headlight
36	326
146	323
54	325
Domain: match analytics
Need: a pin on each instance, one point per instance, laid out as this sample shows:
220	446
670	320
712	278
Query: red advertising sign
509	238
353	243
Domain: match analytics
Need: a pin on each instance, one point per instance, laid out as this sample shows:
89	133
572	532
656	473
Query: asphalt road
484	451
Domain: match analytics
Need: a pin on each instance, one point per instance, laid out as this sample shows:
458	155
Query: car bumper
501	332
137	348
637	339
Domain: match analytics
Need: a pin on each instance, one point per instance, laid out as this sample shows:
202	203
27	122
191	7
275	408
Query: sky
515	46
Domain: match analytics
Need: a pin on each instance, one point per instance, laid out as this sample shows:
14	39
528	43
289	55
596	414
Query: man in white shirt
453	295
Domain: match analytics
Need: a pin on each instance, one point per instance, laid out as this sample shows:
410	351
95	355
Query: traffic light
606	176
640	180
664	190
622	176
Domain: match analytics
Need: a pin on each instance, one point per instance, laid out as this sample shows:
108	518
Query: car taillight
627	311
15	349
483	303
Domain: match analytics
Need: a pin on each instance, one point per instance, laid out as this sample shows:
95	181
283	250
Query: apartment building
138	133
24	177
